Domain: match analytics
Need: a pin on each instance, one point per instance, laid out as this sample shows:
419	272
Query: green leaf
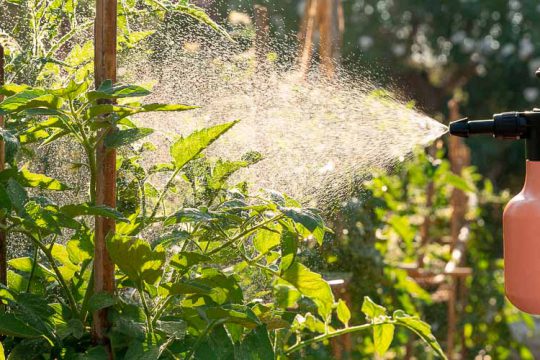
11	145
136	259
383	335
189	215
17	195
164	167
123	111
101	300
184	260
289	248
310	323
420	328
306	221
223	288
2	354
75	210
216	346
75	328
142	351
372	310
343	312
173	329
267	239
287	296
234	313
186	287
120	111
222	171
117	91
311	285
10	325
72	90
27	99
25	264
80	248
126	137
256	345
186	149
201	16
60	254
167	107
29	179
12	89
47	218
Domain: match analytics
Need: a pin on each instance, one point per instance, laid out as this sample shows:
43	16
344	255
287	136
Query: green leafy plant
49	40
383	233
186	263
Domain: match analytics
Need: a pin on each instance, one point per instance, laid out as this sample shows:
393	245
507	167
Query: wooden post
105	69
262	33
3	239
326	18
307	30
330	30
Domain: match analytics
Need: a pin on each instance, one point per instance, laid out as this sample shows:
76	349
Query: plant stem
61	280
87	295
162	309
244	233
33	271
323	337
93	174
146	311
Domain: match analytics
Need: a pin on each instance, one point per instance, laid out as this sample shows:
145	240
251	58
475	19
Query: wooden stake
105	69
3	239
330	32
324	17
305	37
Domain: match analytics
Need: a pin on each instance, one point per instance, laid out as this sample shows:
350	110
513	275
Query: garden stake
105	69
3	240
522	214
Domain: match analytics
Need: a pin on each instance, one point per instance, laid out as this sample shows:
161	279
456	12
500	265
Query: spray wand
521	218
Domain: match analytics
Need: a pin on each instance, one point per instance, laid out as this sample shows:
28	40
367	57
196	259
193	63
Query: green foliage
182	291
400	205
186	250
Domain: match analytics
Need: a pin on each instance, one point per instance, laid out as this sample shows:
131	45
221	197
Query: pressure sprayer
521	218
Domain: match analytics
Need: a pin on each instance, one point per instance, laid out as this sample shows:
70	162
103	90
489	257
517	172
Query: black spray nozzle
509	125
465	127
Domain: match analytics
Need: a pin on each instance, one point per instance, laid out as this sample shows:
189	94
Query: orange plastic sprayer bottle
521	219
521	225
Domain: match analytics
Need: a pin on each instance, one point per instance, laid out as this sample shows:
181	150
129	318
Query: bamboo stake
3	239
105	69
305	36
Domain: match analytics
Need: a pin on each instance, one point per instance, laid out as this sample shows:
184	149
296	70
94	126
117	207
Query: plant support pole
3	238
105	69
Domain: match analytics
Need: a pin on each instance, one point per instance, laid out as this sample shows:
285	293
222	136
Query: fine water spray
521	218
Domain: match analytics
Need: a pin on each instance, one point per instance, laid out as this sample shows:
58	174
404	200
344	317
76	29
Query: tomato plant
184	274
